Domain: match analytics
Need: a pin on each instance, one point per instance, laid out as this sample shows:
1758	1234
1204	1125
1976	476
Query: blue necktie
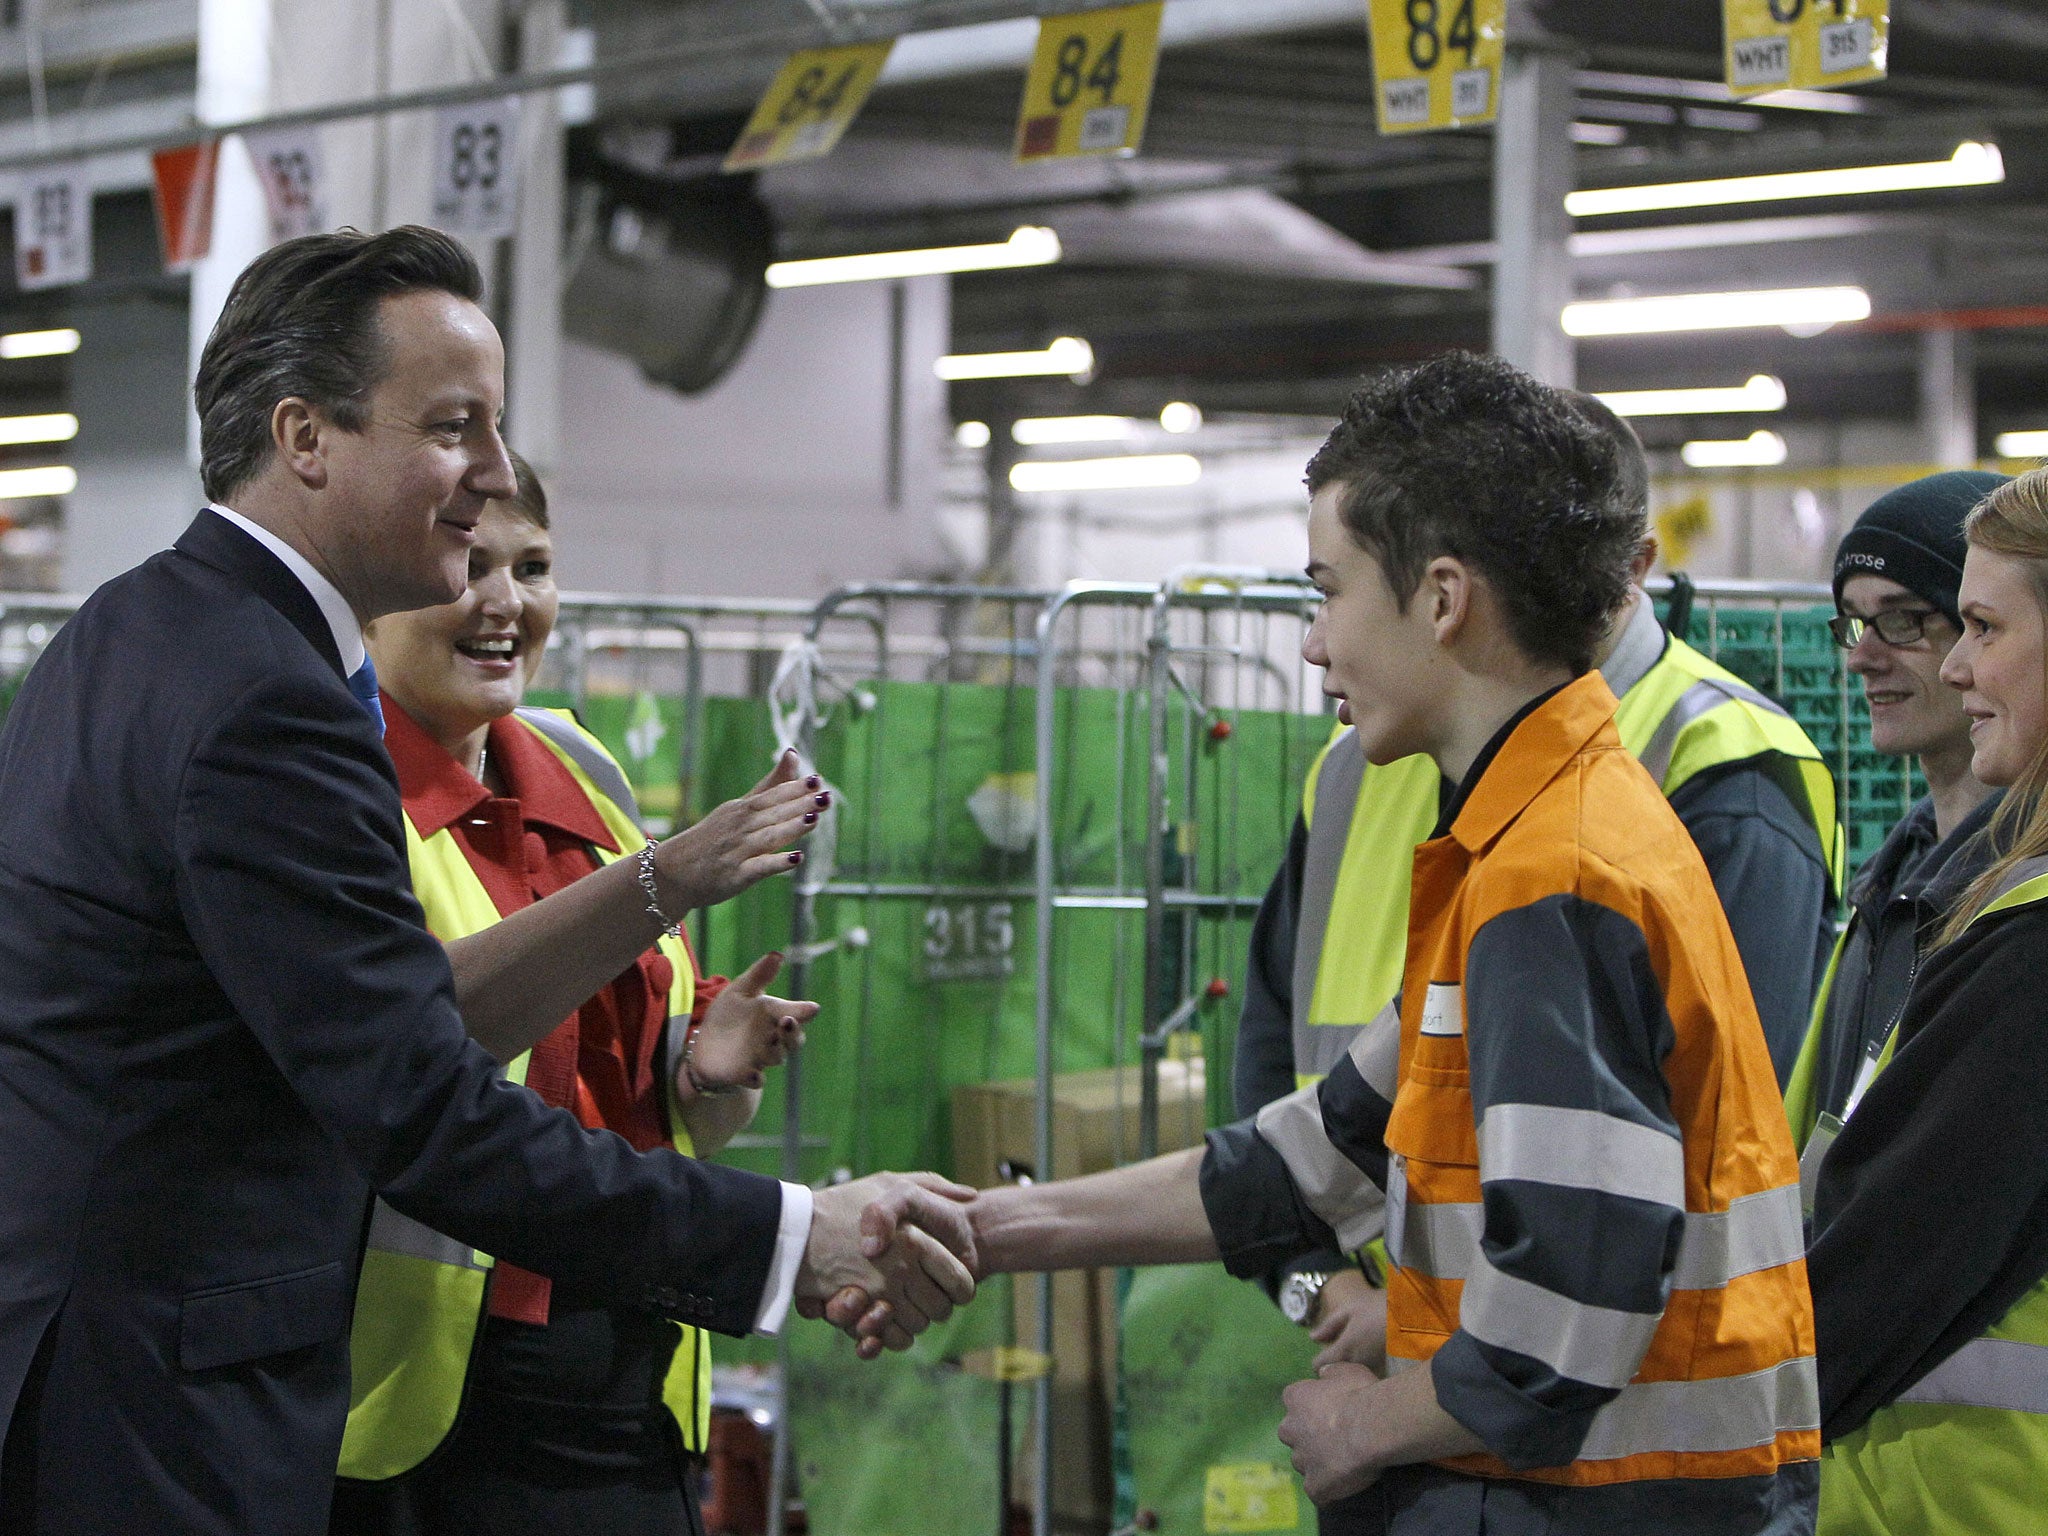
363	684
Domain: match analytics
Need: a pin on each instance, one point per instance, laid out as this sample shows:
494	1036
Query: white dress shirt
794	1230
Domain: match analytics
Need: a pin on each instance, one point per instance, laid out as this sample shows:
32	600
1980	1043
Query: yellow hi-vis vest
1683	716
1964	1450
420	1301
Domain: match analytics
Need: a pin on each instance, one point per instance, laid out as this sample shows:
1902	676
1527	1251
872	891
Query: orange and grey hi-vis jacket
1590	1194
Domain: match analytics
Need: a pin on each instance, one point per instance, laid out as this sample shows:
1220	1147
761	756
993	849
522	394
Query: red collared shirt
526	844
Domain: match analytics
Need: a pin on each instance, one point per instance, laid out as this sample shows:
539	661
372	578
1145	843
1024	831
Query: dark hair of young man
302	320
1468	457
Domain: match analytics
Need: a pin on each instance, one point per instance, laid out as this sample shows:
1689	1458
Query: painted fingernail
796	856
823	801
810	818
813	782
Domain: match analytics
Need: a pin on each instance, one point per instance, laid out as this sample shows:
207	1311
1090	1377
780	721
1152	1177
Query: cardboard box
1095	1126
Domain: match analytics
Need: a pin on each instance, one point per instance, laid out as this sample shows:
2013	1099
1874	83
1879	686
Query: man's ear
1447	591
299	434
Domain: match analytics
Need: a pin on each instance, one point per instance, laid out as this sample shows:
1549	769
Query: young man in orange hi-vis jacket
1598	1317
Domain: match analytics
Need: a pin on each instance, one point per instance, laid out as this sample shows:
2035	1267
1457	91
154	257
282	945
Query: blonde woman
1930	1258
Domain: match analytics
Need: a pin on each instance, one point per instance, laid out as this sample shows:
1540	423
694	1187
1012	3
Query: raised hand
889	1255
740	842
744	1032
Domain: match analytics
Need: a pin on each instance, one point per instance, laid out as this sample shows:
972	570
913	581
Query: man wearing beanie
1896	577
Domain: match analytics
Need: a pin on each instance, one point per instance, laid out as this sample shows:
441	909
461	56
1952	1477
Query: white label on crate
1761	61
476	182
1406	101
53	226
1471	92
1847	45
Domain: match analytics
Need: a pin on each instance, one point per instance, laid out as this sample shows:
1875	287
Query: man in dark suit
222	1022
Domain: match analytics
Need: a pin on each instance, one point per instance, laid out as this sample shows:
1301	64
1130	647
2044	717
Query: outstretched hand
740	842
744	1032
889	1256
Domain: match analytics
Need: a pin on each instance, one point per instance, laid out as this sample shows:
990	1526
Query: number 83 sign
1436	63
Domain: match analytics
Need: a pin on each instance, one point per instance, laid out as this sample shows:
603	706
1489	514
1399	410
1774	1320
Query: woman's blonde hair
2013	521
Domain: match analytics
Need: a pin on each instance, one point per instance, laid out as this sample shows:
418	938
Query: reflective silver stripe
1438	1239
1318	1046
1757	1232
1987	1373
1330	1184
596	766
1595	1344
1708	693
1721	1413
1582	1149
1377	1051
392	1232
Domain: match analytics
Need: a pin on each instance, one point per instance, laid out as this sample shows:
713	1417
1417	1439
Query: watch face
1297	1295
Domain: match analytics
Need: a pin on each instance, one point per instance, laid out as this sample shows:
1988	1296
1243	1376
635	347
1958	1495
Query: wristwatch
1299	1293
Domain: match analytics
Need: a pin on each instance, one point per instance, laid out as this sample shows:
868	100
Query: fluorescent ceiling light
1180	416
1761	393
971	434
1972	165
2022	445
39	343
1756	449
1802	307
1028	246
1033	430
27	484
1599	133
1069	355
1132	472
58	428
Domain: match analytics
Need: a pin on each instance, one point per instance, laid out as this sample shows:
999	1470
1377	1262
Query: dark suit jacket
222	1024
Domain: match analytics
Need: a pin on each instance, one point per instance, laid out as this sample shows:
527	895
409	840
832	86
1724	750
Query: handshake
888	1256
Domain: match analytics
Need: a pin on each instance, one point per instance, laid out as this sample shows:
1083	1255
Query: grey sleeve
1771	875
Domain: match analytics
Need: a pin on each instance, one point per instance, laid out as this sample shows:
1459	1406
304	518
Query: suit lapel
213	540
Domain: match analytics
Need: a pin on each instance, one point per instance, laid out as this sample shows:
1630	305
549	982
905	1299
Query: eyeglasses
1895	626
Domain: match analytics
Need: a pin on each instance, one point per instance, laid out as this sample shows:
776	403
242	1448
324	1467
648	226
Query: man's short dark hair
302	320
1468	457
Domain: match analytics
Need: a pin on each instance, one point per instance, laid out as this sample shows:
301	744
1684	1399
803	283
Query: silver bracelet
697	1084
645	859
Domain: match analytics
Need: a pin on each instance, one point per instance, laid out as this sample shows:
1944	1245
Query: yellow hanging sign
1775	45
1090	83
1249	1496
1436	63
809	104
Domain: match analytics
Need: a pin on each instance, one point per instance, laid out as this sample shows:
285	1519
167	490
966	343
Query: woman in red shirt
572	1415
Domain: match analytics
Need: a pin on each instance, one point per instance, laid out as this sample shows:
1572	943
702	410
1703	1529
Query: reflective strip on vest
1988	1373
1695	702
1576	1339
1756	1232
1582	1149
607	777
1704	1417
394	1232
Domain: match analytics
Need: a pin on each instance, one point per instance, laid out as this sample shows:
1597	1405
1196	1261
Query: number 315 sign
1436	63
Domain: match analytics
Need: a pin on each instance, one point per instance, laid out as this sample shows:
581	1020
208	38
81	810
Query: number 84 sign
1436	63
